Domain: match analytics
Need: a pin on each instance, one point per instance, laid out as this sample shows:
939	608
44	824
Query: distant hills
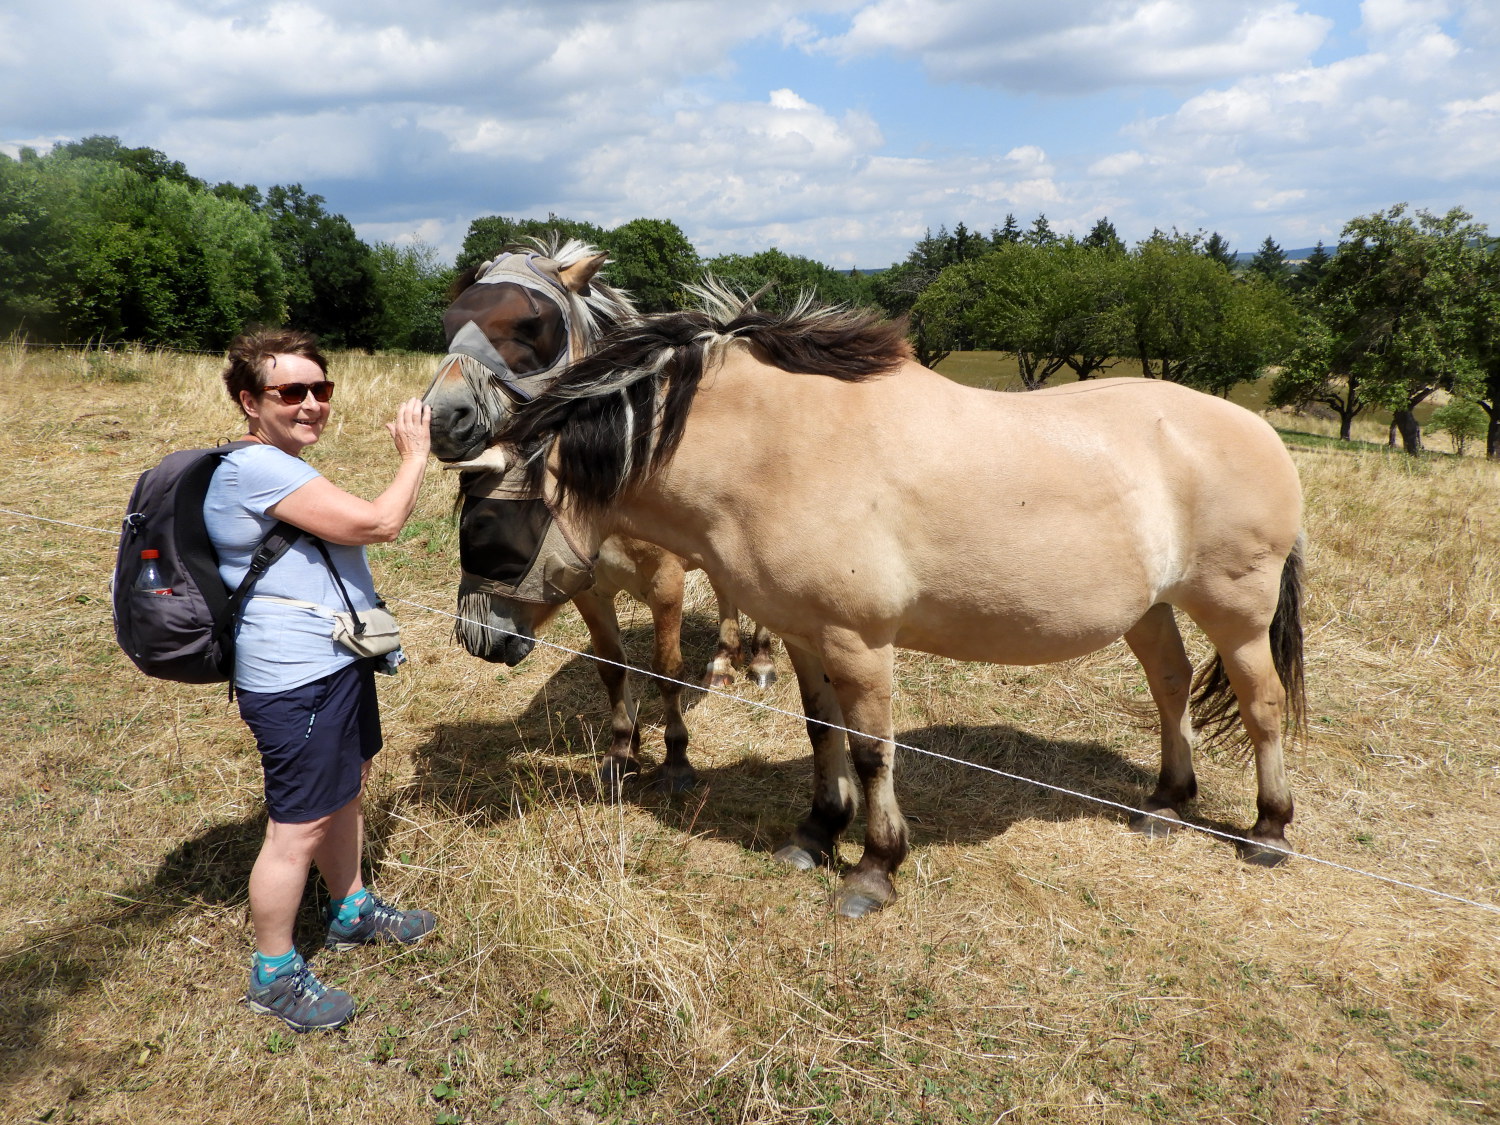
1243	256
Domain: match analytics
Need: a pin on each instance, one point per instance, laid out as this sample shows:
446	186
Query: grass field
647	960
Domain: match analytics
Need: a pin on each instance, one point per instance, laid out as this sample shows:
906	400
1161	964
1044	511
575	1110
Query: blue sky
837	129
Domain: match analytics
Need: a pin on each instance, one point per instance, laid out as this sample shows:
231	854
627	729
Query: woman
309	702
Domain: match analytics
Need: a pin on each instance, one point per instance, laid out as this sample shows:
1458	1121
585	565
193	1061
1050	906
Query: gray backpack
187	635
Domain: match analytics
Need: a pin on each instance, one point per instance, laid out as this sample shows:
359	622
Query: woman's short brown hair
251	355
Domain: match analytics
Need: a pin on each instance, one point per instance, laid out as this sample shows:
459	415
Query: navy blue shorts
314	741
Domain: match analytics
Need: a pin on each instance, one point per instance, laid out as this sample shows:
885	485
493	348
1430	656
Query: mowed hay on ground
646	960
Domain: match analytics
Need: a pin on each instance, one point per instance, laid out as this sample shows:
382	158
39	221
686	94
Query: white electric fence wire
64	523
1171	822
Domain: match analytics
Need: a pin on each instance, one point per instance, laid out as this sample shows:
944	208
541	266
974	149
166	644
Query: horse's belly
1030	636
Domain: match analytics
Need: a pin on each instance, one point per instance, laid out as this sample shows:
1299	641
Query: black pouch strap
359	626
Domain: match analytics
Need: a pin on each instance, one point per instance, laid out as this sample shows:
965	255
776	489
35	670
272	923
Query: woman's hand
411	429
340	517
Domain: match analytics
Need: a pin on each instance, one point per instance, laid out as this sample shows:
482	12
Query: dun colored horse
879	505
514	324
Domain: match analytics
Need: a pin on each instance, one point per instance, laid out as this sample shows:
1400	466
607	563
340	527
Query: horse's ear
577	276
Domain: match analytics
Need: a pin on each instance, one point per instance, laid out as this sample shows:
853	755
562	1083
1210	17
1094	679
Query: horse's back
1016	528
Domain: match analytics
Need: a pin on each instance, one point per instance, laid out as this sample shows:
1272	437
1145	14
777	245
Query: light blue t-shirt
279	646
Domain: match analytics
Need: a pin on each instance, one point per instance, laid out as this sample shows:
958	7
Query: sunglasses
294	393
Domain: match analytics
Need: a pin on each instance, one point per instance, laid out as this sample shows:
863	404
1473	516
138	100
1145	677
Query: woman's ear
249	405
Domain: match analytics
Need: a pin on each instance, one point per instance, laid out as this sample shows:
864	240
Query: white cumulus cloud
1073	46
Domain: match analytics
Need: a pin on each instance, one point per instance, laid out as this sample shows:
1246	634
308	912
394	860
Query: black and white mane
618	413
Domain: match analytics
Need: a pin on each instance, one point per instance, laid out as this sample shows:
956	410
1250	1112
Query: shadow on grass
209	871
485	767
487	770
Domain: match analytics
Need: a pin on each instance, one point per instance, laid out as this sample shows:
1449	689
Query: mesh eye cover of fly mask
512	545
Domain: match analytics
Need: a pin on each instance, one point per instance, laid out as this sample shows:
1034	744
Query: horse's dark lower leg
814	841
861	679
1157	644
598	613
1262	702
665	598
729	654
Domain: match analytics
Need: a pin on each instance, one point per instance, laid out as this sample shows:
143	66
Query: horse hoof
1264	854
795	855
762	677
1158	826
718	681
857	904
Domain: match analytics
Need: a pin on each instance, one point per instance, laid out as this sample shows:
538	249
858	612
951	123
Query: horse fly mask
511	543
480	361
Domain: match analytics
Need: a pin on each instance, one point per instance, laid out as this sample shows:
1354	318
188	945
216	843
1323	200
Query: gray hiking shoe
380	922
302	1000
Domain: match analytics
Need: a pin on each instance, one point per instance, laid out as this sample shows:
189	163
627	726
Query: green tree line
1407	305
102	242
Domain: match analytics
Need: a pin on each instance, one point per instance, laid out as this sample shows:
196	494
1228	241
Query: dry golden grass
647	960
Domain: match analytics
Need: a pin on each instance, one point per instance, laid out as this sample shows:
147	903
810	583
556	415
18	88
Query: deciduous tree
1055	306
412	291
1193	322
653	260
1399	302
490	234
331	283
784	277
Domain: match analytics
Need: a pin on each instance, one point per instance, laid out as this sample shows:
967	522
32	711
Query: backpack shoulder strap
276	543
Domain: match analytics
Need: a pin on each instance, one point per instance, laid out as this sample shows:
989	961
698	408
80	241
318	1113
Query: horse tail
1215	707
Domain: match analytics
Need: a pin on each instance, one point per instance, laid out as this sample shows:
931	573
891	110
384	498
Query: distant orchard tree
1053	307
1401	302
1193	322
1311	373
1462	419
897	290
1487	345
